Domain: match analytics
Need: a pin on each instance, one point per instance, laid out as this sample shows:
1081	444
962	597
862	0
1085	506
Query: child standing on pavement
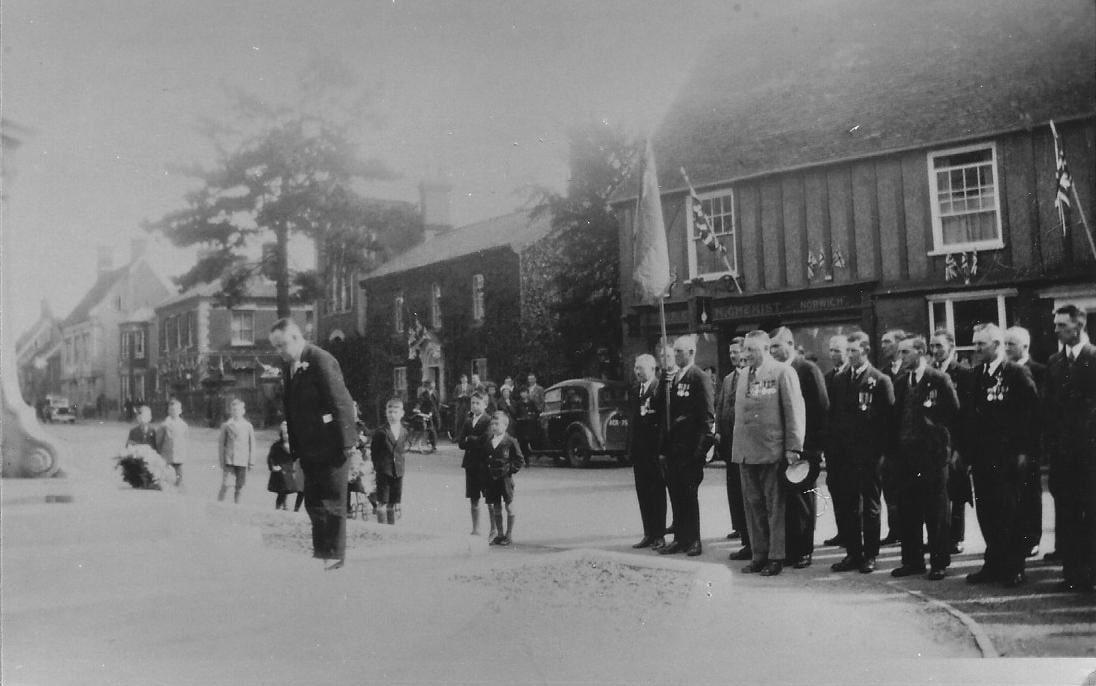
504	459
143	433
237	450
387	450
472	438
171	439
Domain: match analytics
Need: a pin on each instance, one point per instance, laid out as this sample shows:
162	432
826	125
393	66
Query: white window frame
435	306
234	330
125	387
126	345
399	380
731	245
939	248
479	287
139	344
397	312
949	300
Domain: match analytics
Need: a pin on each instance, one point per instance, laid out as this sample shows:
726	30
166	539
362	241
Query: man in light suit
645	427
724	434
322	434
802	502
925	405
686	438
1070	402
769	425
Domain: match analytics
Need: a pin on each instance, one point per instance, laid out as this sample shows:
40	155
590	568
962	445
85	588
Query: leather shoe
1015	580
847	564
772	568
803	562
982	576
906	570
1053	556
937	573
694	549
753	568
742	554
891	539
868	566
658	543
836	540
671	549
957	549
644	542
734	535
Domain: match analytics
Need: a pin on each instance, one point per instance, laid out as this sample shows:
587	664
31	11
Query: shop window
966	213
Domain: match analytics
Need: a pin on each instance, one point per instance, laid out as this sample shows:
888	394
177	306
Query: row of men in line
913	430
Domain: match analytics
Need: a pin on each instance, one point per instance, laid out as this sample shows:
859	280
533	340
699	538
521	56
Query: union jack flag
1063	179
701	221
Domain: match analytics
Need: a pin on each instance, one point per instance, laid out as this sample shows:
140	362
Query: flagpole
1084	221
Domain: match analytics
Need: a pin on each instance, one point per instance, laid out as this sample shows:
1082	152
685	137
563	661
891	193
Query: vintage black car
583	418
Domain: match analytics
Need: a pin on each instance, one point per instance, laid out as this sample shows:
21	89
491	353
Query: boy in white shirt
237	450
172	441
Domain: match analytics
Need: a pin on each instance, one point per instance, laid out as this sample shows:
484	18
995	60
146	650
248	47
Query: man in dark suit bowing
1017	349
644	431
322	435
686	437
802	503
925	405
1003	430
1070	402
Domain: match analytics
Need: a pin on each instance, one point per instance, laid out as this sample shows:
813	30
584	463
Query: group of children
491	458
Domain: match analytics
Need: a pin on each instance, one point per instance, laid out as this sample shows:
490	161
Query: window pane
971	312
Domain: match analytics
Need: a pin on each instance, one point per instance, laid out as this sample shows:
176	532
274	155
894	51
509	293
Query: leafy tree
581	303
287	170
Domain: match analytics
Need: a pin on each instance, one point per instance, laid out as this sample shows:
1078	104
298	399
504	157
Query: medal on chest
683	390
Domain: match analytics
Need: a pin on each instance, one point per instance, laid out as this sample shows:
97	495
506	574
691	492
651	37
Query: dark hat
803	473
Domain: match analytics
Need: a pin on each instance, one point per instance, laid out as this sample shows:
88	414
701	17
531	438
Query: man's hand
792	456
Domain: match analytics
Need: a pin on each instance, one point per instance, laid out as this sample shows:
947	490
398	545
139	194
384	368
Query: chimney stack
137	248
104	260
434	203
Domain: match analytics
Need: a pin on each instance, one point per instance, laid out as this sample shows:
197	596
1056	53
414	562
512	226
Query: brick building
208	354
877	164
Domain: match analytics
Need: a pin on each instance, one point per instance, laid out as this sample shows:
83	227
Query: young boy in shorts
387	449
504	459
171	438
237	450
472	440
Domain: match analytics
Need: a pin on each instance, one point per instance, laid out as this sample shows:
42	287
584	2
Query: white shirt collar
861	369
920	371
495	440
1024	360
995	363
1074	349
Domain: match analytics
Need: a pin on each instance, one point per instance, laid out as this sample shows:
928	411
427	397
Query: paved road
194	607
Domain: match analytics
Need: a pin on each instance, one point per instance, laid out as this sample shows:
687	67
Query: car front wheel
578	450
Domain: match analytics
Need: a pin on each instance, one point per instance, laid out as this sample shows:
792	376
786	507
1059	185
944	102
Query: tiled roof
516	230
258	287
95	295
809	82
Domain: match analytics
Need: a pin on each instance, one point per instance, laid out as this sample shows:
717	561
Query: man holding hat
769	426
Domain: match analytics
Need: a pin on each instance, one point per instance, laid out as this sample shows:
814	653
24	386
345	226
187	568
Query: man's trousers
763	489
325	502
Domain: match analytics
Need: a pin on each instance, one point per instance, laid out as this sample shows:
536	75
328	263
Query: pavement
103	584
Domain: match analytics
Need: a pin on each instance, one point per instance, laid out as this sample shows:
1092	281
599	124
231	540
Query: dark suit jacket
1008	423
860	431
933	406
1070	407
1038	374
139	435
645	422
319	409
692	412
388	450
817	402
724	413
470	440
504	459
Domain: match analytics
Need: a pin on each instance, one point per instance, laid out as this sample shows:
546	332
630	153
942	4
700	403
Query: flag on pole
701	221
652	259
1063	179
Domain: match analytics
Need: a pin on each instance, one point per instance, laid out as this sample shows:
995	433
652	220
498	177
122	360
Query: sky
480	93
